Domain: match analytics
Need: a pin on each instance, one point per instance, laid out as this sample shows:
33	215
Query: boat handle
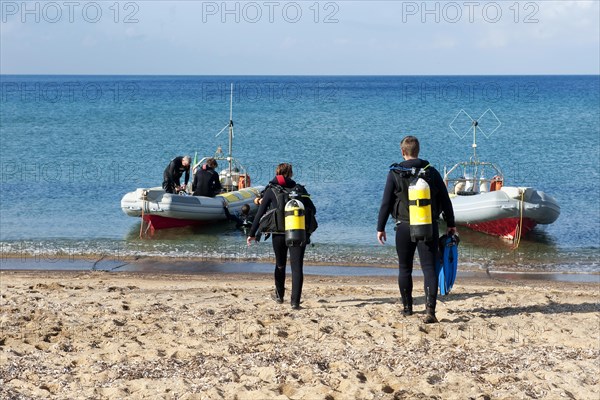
146	206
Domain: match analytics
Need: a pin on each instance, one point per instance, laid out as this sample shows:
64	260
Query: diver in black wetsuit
242	221
283	178
395	202
206	180
173	172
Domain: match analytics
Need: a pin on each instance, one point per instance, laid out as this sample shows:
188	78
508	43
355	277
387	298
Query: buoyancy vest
403	177
273	221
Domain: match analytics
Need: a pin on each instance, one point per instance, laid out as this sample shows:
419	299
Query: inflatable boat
486	205
161	210
507	212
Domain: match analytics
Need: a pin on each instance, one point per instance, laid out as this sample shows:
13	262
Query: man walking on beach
395	202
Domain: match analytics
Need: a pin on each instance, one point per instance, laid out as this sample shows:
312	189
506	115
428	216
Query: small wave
235	249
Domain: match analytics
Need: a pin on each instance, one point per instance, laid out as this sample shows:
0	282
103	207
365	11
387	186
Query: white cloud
8	27
341	41
493	39
89	41
133	33
370	37
543	32
567	11
444	42
288	43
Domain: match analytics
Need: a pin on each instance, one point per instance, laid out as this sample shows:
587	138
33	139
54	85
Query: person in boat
283	178
172	175
395	202
206	180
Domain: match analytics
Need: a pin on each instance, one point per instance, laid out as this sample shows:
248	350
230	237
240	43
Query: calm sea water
72	146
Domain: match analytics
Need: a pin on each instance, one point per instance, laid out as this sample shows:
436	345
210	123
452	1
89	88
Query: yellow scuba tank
419	209
295	231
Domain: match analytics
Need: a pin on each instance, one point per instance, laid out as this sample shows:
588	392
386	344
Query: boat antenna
230	126
231	120
229	157
474	145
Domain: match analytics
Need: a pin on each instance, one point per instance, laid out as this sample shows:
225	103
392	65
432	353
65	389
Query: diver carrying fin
425	203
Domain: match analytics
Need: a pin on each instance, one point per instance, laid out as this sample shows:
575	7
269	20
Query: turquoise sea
72	146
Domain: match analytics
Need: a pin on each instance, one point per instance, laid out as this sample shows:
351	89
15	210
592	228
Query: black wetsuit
206	182
281	249
241	221
172	174
405	247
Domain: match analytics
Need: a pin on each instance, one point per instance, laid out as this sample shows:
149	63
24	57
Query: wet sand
204	266
74	334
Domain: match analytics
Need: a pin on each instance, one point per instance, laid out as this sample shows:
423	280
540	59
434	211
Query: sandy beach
100	335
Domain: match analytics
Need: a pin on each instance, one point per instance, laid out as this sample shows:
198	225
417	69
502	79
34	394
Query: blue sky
300	38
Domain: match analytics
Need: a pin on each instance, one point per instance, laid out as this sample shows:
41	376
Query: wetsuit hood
413	163
288	182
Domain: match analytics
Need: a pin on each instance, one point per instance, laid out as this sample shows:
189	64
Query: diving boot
430	308
277	296
407	303
430	317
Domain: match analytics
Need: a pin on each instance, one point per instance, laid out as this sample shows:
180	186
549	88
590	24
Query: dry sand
96	335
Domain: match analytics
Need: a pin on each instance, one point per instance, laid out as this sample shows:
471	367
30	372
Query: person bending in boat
283	179
173	172
206	180
395	202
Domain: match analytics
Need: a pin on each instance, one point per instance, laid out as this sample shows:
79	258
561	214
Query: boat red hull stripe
506	227
158	222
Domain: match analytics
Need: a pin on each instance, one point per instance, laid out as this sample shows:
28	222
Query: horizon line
304	75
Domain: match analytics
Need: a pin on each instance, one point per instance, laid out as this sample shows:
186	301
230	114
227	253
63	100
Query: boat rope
519	229
142	225
144	198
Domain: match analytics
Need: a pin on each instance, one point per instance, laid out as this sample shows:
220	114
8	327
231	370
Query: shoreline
207	266
490	255
89	334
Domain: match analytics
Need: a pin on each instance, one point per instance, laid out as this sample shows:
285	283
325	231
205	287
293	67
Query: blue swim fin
448	263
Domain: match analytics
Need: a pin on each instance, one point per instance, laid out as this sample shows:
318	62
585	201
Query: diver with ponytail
281	245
